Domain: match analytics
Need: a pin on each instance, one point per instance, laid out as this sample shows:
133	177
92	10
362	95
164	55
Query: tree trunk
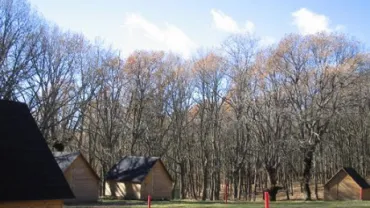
182	180
102	184
255	182
240	184
235	184
291	187
287	193
192	181
273	192
249	189
212	185
307	162
273	189
286	185
216	185
316	188
205	181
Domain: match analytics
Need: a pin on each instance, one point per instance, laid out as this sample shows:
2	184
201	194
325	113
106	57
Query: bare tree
240	114
180	102
315	69
211	87
240	51
19	36
53	92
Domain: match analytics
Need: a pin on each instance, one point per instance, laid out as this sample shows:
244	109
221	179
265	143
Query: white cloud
267	41
224	22
169	37
339	27
249	26
309	22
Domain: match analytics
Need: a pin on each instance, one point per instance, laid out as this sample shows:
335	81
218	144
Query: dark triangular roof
354	175
65	159
131	169
29	170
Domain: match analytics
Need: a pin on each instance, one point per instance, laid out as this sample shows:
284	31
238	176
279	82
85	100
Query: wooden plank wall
348	189
123	190
82	181
157	183
342	187
133	190
366	194
113	188
331	190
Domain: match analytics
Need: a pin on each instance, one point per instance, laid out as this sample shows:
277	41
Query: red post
149	200
226	189
361	194
267	203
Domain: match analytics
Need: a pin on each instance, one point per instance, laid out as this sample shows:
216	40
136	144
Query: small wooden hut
346	184
30	176
82	179
137	177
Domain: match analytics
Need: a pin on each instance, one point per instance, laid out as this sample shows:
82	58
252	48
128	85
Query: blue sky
183	26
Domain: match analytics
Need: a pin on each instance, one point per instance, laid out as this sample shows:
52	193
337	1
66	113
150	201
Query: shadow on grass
208	203
108	203
120	203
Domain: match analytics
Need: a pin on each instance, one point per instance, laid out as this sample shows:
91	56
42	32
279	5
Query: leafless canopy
255	118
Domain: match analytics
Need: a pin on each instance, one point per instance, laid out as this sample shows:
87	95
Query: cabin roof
132	169
65	159
30	171
354	175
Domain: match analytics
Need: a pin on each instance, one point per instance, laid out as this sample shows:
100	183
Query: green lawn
193	204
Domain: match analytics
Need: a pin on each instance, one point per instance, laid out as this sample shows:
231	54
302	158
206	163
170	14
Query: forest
242	113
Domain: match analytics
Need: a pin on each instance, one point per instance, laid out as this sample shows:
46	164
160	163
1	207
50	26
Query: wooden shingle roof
132	169
354	175
29	170
65	160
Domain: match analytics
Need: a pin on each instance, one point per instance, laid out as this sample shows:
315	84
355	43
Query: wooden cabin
347	184
137	177
82	179
30	176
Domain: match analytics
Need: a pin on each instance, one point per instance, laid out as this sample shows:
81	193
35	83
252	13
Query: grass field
194	204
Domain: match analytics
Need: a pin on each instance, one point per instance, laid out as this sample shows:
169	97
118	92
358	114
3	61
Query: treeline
244	114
